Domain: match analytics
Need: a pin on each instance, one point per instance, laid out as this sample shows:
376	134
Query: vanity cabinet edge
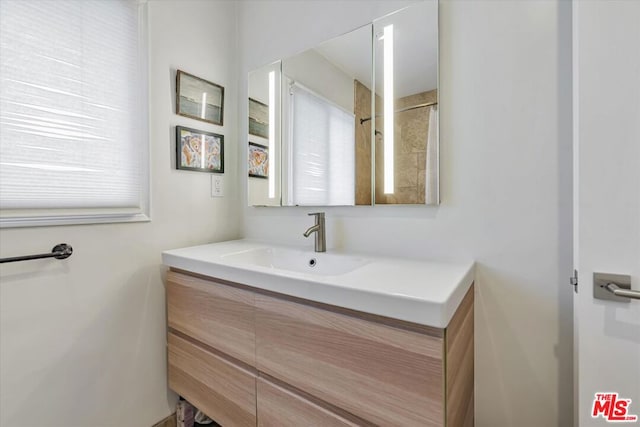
459	365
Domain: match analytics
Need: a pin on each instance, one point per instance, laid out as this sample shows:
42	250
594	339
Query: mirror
264	141
406	105
332	127
320	122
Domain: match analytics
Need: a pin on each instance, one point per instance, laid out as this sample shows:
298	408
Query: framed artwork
258	161
199	99
258	118
199	151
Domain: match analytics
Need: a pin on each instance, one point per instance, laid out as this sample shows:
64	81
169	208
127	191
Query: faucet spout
310	230
318	228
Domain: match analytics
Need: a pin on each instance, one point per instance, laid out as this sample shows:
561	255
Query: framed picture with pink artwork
258	161
200	151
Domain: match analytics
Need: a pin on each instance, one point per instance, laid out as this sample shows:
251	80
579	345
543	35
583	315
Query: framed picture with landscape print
258	119
199	99
199	151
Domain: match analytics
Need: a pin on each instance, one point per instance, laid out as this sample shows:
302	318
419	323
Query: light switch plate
217	186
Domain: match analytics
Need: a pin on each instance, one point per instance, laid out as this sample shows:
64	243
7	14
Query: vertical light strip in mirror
388	110
272	133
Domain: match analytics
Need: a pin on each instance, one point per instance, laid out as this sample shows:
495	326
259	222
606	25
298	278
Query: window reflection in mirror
326	150
406	105
264	141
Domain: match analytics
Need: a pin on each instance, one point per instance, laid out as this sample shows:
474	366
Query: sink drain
312	262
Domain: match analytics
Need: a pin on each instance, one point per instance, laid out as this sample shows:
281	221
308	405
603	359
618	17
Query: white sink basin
300	261
423	292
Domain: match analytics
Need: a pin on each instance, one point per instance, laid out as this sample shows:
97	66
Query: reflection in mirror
406	105
326	128
325	156
264	142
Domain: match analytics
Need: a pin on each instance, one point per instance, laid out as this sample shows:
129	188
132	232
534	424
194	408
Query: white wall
505	105
315	72
82	341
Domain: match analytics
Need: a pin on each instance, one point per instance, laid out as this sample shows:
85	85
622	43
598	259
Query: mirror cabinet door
406	105
264	140
323	141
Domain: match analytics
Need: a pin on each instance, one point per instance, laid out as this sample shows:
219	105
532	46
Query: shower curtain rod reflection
401	110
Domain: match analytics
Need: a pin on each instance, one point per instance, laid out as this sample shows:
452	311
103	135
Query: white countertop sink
296	260
423	292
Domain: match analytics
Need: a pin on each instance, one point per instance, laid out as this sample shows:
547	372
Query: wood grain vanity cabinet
217	315
246	356
278	406
212	383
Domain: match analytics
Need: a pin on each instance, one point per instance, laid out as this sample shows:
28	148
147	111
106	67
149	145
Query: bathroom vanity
276	336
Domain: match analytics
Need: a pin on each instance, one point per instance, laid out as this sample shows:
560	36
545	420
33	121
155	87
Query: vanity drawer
384	374
278	407
218	315
222	390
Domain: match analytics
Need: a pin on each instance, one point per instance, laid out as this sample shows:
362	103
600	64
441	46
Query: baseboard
170	421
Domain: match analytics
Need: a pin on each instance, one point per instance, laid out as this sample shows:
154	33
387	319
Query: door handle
620	292
613	287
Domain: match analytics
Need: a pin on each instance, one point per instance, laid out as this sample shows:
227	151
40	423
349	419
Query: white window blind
322	151
73	111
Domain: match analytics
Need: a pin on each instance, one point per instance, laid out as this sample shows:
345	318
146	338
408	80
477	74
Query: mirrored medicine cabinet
352	121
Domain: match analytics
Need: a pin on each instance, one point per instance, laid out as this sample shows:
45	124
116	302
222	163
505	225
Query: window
73	112
322	151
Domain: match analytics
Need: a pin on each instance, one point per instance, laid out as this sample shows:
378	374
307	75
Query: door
606	44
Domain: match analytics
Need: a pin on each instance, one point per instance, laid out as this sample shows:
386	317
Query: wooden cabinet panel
386	375
318	365
460	369
218	315
278	407
222	390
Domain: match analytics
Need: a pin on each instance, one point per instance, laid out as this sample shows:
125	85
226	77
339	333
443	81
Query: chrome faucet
318	228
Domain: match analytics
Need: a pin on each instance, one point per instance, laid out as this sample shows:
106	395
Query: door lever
621	292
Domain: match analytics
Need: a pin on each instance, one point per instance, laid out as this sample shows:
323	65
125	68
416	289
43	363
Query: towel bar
60	251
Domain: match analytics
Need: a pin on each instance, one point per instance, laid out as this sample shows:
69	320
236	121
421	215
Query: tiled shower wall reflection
411	130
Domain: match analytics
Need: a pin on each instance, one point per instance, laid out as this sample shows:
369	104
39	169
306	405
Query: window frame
42	217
